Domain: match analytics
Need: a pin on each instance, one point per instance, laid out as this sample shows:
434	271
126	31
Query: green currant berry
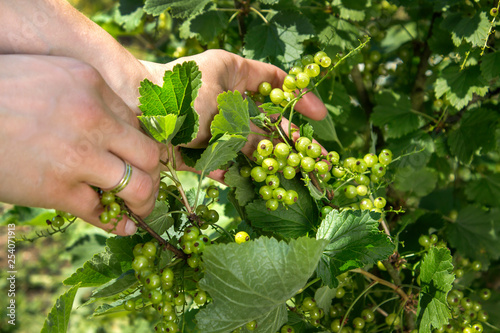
485	294
340	293
212	192
245	171
259	174
374	179
272	204
361	190
270	165
358	323
370	160
350	163
265	147
291	197
191	233
295	70
167	275
307	59
57	221
200	297
193	261
266	192
494	12
380	202
366	204
350	191
360	166
287	329
187	247
316	313
335	325
212	216
333	157
107	198
321	167
258	158
289	82
265	88
251	325
140	263
302	80
137	251
368	315
293	160
325	62
149	249
277	96
325	210
385	158
312	70
129	305
281	150
162	195
279	194
318	55
104	217
424	241
198	246
392	319
308	303
378	170
362	180
179	299
313	150
241	237
307	164
477	266
272	181
289	172
338	172
302	143
201	210
153	281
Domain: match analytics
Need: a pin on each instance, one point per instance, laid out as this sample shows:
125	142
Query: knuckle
142	189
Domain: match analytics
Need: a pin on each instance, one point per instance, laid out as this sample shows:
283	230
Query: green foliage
58	319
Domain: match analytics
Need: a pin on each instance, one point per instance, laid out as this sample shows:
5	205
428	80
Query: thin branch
383	282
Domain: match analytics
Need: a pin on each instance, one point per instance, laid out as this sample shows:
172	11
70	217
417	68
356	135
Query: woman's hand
223	71
63	129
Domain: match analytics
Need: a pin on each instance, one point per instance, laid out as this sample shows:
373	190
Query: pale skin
68	107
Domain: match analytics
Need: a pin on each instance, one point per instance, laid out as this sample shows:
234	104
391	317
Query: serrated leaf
355	240
179	8
161	128
490	66
271	108
205	27
476	131
397	35
393	114
104	266
436	278
419	181
324	129
461	85
280	40
233	117
128	17
220	152
294	221
58	319
485	190
115	306
244	189
159	220
324	296
417	147
475	234
115	286
351	10
190	155
472	29
254	280
339	32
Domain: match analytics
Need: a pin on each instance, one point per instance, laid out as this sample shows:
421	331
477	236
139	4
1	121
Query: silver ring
125	180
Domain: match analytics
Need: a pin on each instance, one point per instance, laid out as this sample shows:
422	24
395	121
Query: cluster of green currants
250	326
112	209
432	240
159	286
361	172
299	77
207	216
193	242
59	220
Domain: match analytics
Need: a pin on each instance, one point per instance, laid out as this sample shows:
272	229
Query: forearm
54	27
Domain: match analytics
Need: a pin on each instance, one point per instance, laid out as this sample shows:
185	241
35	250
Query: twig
383	282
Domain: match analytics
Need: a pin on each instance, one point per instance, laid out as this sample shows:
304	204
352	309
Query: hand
223	71
62	129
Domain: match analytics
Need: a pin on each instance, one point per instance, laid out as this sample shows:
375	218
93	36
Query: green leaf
233	117
107	265
161	128
475	234
129	18
351	10
115	286
436	278
417	147
340	106
459	86
244	189
325	129
280	40
340	33
294	221
324	296
21	215
115	306
490	66
485	190
397	35
155	101
355	240
419	181
205	27
58	319
179	8
220	152
159	220
253	280
393	113
476	131
472	29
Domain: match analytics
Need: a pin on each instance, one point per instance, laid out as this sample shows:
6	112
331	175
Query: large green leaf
419	181
393	113
475	234
220	152
244	189
159	219
436	279
355	240
233	117
472	29
279	40
490	66
397	35
459	86
485	190
161	128
58	319
476	131
179	8
294	221
339	32
205	27
253	280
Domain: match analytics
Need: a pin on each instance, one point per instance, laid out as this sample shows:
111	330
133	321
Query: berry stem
383	282
373	284
162	241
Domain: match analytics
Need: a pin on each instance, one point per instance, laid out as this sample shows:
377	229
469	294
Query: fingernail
130	227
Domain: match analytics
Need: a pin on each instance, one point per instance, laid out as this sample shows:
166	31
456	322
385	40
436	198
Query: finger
84	202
